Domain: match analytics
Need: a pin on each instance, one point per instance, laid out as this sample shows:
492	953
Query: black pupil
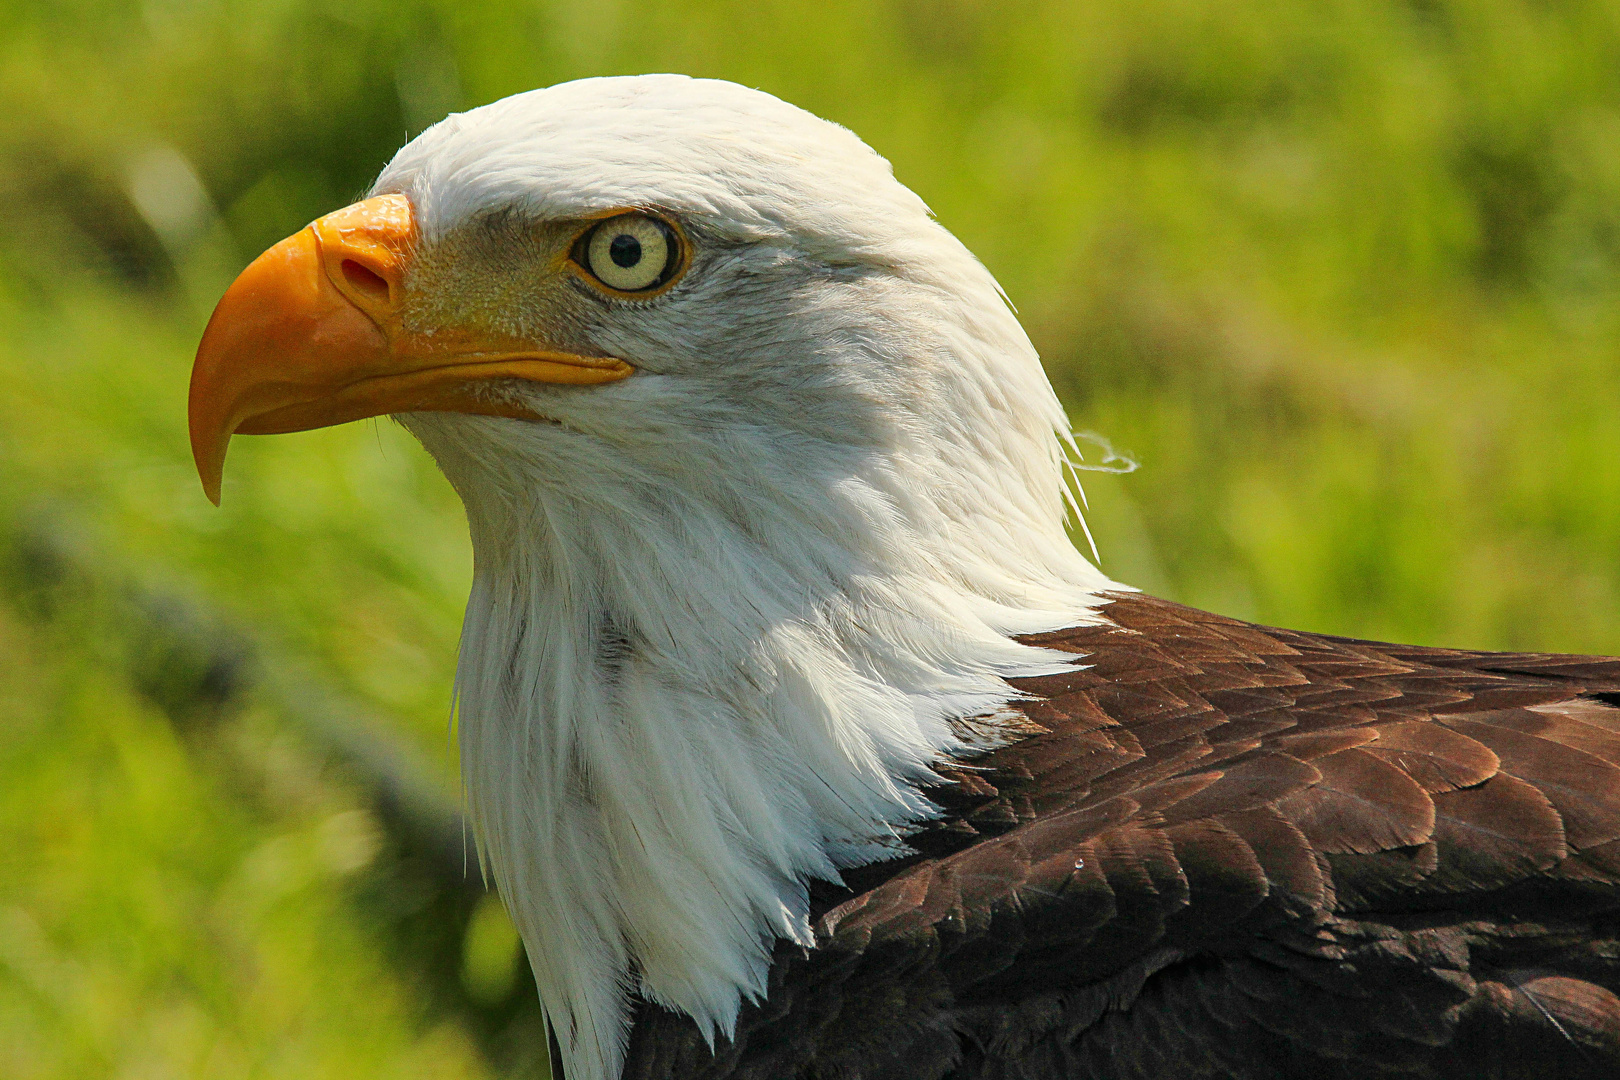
625	250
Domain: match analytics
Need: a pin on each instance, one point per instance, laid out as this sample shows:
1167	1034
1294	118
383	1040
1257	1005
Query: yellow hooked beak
310	335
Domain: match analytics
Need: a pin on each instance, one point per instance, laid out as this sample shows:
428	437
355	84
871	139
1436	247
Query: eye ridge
615	253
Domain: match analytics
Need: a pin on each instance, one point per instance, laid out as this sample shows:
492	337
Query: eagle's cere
786	703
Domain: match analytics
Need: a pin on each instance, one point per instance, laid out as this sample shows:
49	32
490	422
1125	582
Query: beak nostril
365	280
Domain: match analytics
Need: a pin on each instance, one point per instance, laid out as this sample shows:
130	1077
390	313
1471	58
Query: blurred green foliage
1342	276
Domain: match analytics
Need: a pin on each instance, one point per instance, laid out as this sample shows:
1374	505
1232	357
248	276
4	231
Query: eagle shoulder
1349	851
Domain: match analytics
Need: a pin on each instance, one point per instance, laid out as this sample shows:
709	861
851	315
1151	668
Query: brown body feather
1230	851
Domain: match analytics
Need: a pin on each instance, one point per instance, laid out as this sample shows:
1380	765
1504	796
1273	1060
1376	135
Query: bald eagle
797	735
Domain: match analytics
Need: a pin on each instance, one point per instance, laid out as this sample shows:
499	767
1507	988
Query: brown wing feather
1231	851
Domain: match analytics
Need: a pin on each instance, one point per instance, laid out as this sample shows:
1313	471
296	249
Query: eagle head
762	476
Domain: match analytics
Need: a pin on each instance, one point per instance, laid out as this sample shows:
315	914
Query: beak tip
209	457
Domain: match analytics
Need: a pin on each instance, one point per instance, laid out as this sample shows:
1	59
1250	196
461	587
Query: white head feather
725	611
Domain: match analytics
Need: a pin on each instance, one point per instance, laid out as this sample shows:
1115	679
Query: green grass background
1341	275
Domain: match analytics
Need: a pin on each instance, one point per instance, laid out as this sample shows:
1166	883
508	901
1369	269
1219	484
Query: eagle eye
631	253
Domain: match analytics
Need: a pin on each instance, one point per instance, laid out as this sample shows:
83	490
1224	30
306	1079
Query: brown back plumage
1226	850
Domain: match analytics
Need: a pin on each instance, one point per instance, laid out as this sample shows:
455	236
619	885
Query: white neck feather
679	701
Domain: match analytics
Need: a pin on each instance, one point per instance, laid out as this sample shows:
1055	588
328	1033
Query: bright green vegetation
1341	276
171	909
